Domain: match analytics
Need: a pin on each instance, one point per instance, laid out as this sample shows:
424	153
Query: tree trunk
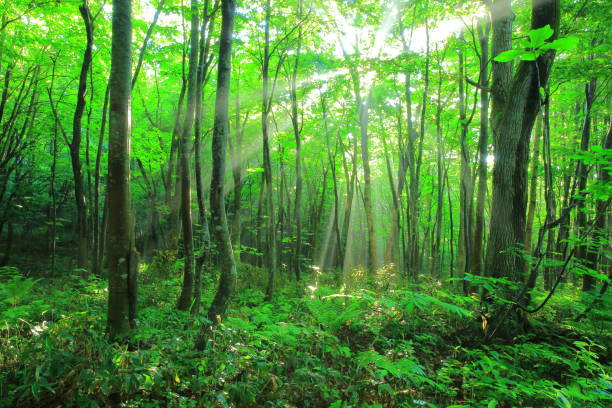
582	251
435	262
339	253
75	144
466	190
122	262
533	188
272	252
236	152
516	103
204	234
484	28
98	253
298	154
227	266
186	297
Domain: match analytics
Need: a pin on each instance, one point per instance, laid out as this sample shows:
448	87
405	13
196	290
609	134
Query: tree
516	103
186	297
122	259
227	266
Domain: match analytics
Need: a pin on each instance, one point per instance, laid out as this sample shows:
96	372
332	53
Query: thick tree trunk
227	266
516	102
516	105
122	259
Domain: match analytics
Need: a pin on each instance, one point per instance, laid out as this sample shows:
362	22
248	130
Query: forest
305	203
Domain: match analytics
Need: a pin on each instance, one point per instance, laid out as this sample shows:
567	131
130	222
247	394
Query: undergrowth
410	346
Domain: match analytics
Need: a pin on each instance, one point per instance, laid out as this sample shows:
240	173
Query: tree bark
202	78
98	237
236	152
533	187
186	297
298	154
516	103
75	144
436	260
582	252
122	262
272	252
227	265
484	28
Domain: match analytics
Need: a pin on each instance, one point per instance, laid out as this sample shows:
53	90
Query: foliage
365	348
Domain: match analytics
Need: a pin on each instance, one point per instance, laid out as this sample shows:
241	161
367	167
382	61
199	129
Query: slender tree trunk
601	234
145	43
451	227
227	265
533	187
272	252
204	233
392	242
75	144
551	208
435	262
466	191
298	153
414	210
339	259
484	28
98	237
350	181
173	182
52	192
582	251
186	297
122	259
236	152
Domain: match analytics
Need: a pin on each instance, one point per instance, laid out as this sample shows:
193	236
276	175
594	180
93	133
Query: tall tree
483	28
122	260
298	150
186	297
516	103
588	282
223	243
75	143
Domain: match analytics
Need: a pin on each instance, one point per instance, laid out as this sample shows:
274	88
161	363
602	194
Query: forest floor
404	346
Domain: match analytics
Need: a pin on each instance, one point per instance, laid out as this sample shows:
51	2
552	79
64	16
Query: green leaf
567	43
539	36
530	56
509	55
